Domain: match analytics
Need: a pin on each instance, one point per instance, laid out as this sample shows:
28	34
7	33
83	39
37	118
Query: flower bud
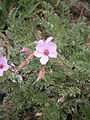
31	56
12	67
25	51
41	75
23	65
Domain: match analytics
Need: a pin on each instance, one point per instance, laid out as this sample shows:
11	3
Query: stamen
46	52
43	39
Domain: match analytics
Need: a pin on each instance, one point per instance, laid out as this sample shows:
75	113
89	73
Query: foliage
69	74
5	6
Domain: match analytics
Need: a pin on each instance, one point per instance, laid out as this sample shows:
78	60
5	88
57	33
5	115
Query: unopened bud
31	56
23	65
12	67
41	75
25	51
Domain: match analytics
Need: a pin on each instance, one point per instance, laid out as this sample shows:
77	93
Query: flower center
1	66
46	52
43	39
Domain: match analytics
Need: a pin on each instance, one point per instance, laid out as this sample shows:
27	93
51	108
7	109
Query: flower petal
53	54
49	39
1	72
52	46
40	47
37	54
3	60
6	67
44	59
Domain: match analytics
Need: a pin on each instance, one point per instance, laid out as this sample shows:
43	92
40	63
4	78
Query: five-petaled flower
45	49
3	65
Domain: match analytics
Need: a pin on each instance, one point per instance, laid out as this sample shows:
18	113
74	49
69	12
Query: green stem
67	69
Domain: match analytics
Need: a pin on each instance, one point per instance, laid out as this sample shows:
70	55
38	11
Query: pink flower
3	65
45	49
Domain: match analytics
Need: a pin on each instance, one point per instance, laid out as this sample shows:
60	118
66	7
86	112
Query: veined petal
53	54
49	39
37	54
52	46
44	59
40	47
